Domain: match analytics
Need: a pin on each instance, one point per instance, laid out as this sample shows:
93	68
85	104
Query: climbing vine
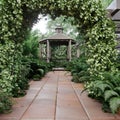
101	47
17	16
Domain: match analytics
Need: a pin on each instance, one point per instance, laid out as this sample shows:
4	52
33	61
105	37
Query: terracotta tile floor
55	97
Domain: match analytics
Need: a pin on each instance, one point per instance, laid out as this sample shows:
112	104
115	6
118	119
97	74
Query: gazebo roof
59	36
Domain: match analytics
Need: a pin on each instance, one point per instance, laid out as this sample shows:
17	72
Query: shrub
36	77
38	68
107	91
5	102
78	68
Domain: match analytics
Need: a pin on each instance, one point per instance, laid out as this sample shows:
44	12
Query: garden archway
89	17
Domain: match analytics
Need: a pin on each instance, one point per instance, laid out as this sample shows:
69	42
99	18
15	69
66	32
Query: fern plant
107	91
108	94
115	104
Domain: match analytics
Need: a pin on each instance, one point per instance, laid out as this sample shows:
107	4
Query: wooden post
69	50
40	52
48	51
78	52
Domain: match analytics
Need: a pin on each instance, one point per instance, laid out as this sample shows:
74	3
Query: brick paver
55	97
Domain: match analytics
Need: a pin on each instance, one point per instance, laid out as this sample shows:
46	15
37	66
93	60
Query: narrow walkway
55	97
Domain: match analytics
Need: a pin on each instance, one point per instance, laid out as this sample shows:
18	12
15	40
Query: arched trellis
89	17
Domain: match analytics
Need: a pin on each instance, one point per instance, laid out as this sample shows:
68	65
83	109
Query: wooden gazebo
59	38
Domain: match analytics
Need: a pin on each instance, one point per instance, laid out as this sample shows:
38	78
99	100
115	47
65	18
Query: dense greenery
78	68
5	102
107	91
37	67
17	16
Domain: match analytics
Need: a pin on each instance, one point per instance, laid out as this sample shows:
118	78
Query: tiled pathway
55	97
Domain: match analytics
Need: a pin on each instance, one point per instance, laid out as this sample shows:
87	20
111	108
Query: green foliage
107	91
110	93
118	62
19	72
37	68
115	104
102	56
36	77
78	68
6	60
31	44
5	102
